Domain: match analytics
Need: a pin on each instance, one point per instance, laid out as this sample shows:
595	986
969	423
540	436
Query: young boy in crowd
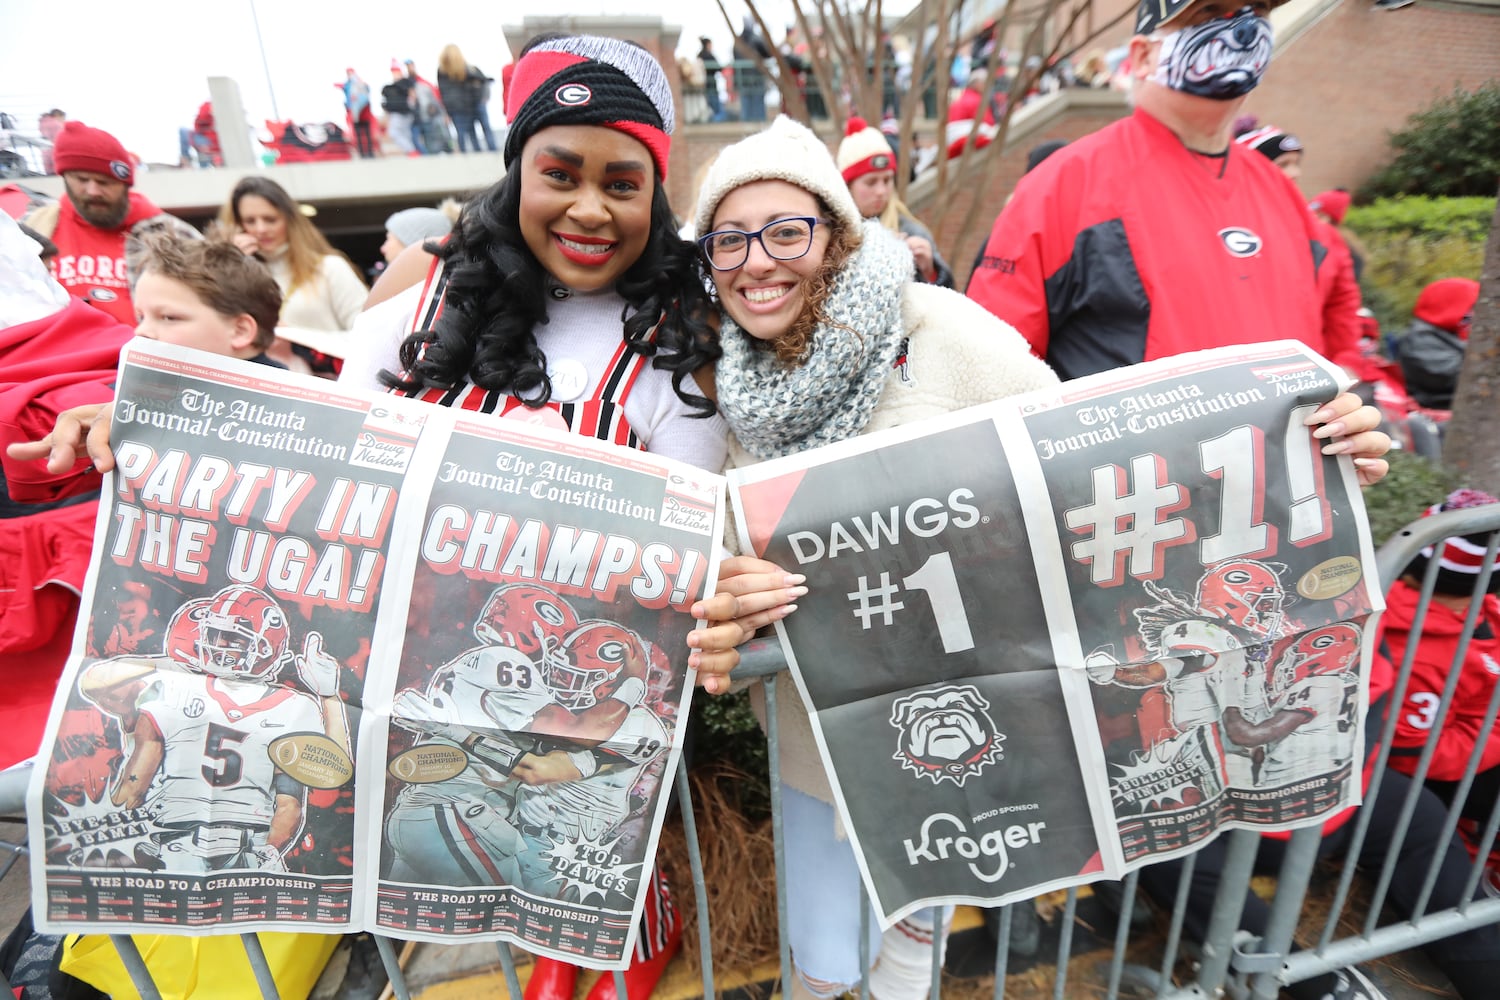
207	295
56	353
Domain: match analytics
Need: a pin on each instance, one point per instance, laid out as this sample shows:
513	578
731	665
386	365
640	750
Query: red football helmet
1332	649
525	617
594	660
238	632
1246	592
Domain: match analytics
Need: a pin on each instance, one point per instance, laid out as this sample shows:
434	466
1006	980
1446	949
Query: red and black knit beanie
588	80
1270	141
1462	556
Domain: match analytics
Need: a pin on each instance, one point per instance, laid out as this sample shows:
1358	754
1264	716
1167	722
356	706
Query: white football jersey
217	766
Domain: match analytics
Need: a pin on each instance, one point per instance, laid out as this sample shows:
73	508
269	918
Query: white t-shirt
583	329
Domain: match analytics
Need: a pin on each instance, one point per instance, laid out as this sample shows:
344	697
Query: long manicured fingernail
797	592
1338	447
785	610
793	579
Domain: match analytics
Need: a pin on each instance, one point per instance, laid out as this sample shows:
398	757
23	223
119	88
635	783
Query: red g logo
1240	242
573	95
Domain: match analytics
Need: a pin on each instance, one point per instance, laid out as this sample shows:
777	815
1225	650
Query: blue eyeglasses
783	239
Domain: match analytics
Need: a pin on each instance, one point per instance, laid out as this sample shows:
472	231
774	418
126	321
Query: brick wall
1360	71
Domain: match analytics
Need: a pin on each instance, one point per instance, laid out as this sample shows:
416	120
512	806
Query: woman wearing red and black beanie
565	296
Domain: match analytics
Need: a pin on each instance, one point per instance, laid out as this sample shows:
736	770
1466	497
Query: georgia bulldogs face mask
1220	59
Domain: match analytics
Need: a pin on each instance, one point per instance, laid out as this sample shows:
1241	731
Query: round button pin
570	379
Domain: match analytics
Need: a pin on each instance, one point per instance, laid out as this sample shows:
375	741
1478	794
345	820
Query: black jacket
396	96
1430	359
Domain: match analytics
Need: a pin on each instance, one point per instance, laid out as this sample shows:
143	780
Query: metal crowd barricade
1228	961
1272	962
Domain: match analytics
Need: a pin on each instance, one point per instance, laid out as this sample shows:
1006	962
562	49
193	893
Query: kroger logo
945	837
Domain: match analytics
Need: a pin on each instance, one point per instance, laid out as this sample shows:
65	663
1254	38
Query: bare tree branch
822	68
792	104
920	56
1023	82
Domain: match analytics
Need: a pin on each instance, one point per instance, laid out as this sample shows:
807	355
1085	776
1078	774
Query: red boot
642	976
551	979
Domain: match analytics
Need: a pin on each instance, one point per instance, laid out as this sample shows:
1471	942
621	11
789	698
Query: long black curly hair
497	294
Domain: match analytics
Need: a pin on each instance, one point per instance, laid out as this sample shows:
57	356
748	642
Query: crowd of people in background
450	112
731	84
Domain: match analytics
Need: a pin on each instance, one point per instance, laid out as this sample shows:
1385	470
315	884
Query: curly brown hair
793	346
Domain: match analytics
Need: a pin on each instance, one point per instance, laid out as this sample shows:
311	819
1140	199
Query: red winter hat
1448	304
79	147
1334	204
864	150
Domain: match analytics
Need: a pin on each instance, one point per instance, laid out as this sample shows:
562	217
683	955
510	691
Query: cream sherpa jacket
958	355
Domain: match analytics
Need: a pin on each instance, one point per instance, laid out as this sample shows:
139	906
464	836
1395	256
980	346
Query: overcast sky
140	70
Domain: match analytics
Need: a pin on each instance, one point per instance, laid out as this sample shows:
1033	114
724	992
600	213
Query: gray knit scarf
775	410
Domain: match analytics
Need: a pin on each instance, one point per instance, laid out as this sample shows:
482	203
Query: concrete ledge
395	180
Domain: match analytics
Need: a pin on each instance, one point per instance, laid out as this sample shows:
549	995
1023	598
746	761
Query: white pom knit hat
786	151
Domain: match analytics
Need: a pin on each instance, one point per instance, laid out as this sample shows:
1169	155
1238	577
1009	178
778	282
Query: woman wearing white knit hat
868	164
826	336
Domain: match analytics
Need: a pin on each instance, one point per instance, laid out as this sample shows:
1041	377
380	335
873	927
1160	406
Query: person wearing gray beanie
413	225
826	335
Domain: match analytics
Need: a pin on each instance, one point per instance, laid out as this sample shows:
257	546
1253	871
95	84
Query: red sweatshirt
1479	674
91	261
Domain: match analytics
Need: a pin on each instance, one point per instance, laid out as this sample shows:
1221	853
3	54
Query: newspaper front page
299	591
535	707
1058	636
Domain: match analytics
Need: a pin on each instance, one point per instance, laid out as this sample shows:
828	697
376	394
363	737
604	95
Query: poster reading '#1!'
198	770
1057	636
535	712
1214	569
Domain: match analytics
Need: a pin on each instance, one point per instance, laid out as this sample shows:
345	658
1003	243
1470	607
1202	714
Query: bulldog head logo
946	734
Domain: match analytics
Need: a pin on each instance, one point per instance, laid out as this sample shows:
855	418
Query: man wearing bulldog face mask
1157	235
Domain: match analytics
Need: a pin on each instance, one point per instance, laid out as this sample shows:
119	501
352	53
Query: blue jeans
482	116
753	105
823	902
464	126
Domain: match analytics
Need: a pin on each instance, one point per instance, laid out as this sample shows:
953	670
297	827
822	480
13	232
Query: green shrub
724	727
1421	216
1451	148
1410	242
1413	484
